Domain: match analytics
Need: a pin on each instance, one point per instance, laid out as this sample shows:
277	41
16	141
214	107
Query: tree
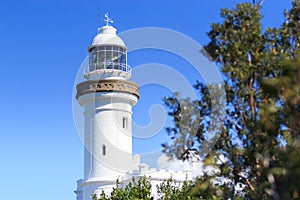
135	189
258	137
140	189
171	190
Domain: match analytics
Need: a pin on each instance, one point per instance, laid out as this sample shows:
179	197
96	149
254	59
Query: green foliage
141	190
258	136
135	190
170	190
186	123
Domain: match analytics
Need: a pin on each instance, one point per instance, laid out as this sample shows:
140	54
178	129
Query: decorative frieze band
93	86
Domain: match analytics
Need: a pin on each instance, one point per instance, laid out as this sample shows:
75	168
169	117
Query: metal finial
107	19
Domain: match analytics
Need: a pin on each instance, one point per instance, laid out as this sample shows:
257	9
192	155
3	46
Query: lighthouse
107	97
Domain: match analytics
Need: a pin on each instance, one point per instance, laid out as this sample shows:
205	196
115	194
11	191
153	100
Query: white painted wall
104	113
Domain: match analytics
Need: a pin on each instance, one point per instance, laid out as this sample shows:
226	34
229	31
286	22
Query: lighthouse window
125	122
103	150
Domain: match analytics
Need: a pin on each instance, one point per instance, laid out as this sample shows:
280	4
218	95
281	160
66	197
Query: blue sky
42	46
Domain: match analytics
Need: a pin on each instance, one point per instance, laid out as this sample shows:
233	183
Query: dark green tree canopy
260	133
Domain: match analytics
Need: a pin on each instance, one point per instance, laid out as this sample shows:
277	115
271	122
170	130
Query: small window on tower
103	150
125	122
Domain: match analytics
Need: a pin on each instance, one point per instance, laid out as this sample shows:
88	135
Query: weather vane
107	19
258	2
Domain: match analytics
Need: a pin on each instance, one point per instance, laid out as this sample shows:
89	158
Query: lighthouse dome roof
107	36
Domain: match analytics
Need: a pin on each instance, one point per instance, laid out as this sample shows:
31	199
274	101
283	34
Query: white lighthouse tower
107	97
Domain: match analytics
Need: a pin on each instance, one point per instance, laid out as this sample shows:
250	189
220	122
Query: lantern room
107	55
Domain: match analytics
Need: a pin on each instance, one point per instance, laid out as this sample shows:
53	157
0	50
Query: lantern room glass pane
93	59
100	48
123	58
108	59
100	60
115	60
